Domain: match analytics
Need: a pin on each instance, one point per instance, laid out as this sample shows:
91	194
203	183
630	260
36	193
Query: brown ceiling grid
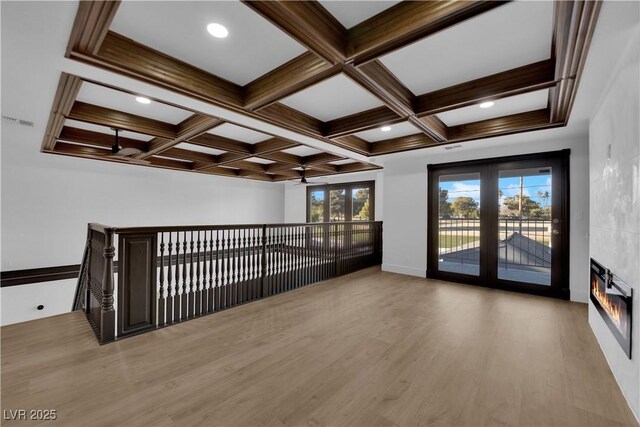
331	49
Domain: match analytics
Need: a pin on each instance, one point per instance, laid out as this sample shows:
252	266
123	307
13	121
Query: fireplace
613	299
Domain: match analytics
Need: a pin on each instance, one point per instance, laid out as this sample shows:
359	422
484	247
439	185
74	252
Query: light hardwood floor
368	349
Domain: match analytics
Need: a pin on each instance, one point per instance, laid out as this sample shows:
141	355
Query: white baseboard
401	269
580	296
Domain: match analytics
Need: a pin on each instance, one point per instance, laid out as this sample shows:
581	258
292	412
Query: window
352	201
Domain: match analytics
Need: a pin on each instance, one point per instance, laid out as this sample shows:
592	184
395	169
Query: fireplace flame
612	309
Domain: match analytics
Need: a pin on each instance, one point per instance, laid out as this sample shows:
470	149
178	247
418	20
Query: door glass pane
317	206
337	203
524	230
360	204
459	224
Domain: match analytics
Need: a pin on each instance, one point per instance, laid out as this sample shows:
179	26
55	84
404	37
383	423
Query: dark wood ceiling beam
292	119
505	125
192	156
221	143
105	155
536	76
279	167
190	127
297	74
248	166
378	80
432	126
91	25
282	157
271	145
407	22
359	122
320	158
355	167
309	23
136	60
169	164
403	143
98	139
573	26
66	93
353	143
89	113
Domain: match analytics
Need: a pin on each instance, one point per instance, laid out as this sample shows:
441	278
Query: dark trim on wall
62	272
37	275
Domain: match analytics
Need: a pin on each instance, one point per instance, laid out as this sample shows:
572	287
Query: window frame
348	205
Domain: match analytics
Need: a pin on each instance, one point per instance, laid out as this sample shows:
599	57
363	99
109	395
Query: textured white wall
47	201
614	143
405	204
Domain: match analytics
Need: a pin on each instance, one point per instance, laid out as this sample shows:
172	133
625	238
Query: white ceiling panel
125	102
397	130
239	133
351	13
342	162
106	130
199	148
302	151
502	107
510	36
259	160
333	98
179	29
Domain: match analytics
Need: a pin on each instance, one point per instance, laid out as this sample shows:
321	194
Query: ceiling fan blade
129	151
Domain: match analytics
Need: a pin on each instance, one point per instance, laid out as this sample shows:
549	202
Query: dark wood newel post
108	315
263	262
336	262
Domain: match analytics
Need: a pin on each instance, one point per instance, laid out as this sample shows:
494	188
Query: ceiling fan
125	154
304	181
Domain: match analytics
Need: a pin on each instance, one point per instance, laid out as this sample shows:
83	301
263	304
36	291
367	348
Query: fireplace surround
613	300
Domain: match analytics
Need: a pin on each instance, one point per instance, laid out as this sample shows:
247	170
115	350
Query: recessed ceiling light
143	100
487	104
385	128
217	30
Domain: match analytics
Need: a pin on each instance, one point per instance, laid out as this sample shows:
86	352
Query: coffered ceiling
372	78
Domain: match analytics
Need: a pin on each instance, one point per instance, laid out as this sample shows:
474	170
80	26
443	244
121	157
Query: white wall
405	204
47	201
295	196
614	143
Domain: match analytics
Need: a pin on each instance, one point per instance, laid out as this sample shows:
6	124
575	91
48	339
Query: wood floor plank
367	349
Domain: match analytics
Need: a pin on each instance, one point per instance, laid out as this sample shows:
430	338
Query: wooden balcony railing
166	275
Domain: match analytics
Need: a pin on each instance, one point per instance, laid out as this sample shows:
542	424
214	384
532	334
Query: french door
501	223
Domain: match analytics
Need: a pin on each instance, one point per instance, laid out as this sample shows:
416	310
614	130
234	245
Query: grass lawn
449	241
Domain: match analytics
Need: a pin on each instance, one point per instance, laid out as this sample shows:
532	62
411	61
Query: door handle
555	232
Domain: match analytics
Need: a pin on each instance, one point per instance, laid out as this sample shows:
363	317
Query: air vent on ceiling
451	147
15	121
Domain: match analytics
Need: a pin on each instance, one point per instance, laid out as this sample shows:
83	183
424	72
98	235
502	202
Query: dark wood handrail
200	227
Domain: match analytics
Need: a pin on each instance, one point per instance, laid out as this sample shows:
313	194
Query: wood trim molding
573	27
309	23
38	275
407	22
536	76
95	114
66	93
190	127
297	74
91	25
